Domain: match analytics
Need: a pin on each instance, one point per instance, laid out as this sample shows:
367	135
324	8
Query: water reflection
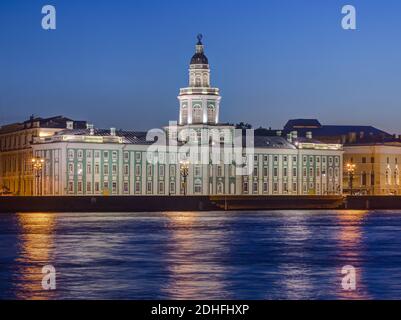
296	270
36	244
351	247
194	256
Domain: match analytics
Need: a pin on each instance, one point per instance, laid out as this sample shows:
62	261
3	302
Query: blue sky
121	63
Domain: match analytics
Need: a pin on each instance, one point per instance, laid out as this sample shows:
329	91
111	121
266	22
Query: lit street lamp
184	171
37	164
351	171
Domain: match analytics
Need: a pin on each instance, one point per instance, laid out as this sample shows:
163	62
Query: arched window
184	114
210	113
220	188
197	114
198	82
388	177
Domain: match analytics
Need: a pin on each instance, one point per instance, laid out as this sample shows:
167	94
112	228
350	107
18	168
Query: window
138	156
363	182
106	169
126	187
149	170
372	160
275	187
88	153
106	185
97	186
114	169
126	169
304	172
219	171
311	172
137	187
114	187
198	187
70	186
285	187
106	155
275	158
255	171
294	172
265	171
80	154
138	170
88	187
126	155
275	172
172	170
149	187
285	172
89	168
161	187
172	187
97	169
161	170
79	186
245	187
71	168
97	154
220	188
372	179
79	168
294	187
265	158
255	187
114	155
363	159
294	159
265	187
71	154
285	159
197	171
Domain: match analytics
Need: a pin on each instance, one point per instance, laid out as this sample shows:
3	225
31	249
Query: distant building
16	175
111	162
374	153
377	167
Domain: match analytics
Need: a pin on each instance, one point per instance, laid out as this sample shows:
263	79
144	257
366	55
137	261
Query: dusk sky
121	63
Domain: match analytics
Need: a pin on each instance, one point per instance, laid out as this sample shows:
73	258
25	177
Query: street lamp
37	164
351	171
184	171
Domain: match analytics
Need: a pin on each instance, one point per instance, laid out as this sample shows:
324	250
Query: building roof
132	137
56	122
271	142
302	123
199	57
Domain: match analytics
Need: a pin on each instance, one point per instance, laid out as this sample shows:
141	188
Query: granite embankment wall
163	203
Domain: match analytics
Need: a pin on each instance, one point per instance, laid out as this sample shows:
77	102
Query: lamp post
351	171
37	164
184	171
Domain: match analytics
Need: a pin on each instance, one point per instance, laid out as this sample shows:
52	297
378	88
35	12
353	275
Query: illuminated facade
376	168
16	168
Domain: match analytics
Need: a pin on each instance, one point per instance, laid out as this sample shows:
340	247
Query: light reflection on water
198	255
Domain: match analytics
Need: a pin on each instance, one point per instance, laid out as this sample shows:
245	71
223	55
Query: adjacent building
16	172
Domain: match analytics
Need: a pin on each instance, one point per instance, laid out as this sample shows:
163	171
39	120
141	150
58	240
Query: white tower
199	103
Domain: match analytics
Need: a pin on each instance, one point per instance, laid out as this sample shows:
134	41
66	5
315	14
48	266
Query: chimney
112	131
69	125
289	138
294	134
309	135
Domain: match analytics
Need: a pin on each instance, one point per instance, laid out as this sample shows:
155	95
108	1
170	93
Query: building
372	168
16	175
198	155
